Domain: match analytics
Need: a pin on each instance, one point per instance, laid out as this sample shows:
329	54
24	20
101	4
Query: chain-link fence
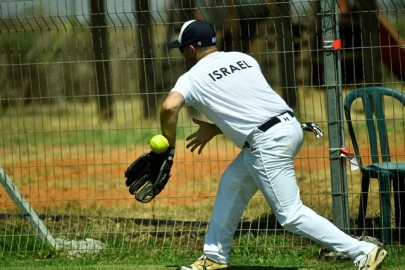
81	83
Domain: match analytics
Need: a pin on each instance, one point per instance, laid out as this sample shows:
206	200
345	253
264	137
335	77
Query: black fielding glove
147	176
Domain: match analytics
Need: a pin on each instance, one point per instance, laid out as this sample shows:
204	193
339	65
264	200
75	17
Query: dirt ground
55	177
81	174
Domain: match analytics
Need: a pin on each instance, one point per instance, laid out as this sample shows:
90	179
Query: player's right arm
169	114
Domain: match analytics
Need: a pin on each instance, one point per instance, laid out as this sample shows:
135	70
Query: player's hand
202	136
310	126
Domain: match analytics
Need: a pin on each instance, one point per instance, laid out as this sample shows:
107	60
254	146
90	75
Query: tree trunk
146	73
101	59
370	41
285	48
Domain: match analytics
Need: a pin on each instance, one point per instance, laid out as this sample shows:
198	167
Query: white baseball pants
268	166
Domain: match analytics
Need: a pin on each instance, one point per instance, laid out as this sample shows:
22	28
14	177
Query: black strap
273	121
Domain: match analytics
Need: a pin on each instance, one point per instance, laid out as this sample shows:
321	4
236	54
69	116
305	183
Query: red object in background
337	44
345	152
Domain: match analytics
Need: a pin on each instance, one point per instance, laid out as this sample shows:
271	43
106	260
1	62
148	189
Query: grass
159	249
158	258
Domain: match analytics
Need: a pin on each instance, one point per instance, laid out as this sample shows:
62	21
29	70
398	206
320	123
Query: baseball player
229	88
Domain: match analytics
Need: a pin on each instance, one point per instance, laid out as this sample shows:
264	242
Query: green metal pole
333	87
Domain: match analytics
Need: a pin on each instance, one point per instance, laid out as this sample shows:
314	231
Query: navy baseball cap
196	32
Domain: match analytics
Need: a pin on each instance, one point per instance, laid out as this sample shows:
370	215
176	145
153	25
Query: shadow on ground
235	267
263	268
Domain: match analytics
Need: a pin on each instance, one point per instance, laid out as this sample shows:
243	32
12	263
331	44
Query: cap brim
174	44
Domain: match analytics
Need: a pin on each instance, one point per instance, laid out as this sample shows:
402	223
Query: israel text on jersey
231	69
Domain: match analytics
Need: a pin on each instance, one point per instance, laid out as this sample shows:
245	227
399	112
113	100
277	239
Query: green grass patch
158	254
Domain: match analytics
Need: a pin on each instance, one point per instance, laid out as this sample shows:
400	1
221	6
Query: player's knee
290	220
289	226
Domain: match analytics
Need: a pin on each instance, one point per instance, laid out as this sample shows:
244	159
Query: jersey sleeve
185	87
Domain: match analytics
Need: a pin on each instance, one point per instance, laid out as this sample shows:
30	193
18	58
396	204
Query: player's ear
194	49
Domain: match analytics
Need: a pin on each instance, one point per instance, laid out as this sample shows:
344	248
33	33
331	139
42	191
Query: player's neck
201	54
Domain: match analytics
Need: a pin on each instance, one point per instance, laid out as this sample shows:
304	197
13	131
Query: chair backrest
373	105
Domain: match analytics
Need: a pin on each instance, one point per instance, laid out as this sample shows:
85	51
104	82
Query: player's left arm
202	136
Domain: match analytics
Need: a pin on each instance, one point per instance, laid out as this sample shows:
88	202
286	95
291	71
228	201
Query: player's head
195	32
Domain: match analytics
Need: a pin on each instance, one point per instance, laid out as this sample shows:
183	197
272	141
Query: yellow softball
159	144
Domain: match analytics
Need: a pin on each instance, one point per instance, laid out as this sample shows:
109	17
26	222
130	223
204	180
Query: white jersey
230	89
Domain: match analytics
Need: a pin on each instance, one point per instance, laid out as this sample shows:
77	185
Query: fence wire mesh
81	85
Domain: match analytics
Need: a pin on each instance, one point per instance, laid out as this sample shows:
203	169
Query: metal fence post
26	209
333	87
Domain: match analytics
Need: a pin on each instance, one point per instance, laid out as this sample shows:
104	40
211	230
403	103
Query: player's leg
235	190
273	155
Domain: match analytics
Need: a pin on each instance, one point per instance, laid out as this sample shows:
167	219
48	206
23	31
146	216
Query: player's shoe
373	260
204	263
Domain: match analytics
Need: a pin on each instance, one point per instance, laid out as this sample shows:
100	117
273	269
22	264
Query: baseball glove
310	126
147	176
